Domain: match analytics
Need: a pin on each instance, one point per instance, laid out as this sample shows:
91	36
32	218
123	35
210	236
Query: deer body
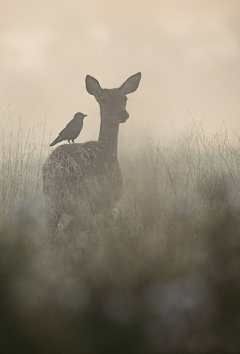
88	175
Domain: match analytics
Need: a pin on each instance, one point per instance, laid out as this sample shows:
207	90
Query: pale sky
188	53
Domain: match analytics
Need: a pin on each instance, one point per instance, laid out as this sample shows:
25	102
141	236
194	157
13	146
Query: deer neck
108	135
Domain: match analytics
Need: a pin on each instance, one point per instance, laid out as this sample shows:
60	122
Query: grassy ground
163	277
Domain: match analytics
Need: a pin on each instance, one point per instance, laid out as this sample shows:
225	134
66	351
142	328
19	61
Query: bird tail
57	140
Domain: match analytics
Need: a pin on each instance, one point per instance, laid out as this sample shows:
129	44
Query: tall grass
161	277
22	154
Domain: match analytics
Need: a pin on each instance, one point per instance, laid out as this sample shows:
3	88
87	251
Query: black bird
72	129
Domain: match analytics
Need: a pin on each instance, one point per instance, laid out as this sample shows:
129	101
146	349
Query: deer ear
92	85
131	84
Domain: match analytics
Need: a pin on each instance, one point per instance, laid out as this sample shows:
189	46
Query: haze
188	53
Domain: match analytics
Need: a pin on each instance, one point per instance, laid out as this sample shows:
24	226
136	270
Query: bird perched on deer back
72	129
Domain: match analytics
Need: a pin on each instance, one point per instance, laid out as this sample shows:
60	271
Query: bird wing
65	132
72	130
62	133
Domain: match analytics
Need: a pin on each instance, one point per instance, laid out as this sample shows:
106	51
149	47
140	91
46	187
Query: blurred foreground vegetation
163	276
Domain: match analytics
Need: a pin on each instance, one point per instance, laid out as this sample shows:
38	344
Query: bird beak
85	115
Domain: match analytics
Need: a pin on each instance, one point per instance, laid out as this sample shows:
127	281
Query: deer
88	175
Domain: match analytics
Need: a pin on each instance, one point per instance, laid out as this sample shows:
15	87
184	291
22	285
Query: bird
72	129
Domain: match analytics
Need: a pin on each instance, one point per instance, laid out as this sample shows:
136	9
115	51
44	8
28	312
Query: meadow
159	276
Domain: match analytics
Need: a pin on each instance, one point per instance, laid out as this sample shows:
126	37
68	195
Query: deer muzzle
121	117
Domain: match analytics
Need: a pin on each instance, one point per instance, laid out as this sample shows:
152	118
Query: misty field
161	274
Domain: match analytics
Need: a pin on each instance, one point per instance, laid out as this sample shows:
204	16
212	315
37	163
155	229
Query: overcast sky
188	53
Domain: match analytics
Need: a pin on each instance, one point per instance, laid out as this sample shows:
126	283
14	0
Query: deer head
112	102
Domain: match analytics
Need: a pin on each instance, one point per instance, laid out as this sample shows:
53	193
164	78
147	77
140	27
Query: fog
188	53
81	269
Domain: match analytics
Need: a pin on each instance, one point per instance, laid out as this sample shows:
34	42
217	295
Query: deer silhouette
88	175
